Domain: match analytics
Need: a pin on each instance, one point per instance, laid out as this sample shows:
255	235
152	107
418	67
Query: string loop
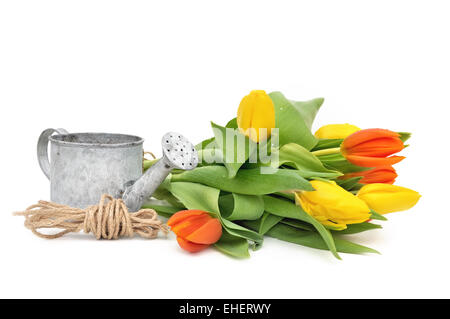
109	219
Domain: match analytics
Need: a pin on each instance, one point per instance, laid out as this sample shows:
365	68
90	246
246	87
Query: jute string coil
109	219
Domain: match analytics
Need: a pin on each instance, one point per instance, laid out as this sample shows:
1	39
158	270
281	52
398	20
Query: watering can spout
178	153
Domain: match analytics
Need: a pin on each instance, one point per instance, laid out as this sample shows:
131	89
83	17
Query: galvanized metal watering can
84	166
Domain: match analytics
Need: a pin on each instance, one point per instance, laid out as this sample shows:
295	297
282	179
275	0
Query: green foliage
375	215
241	207
340	163
304	161
404	136
308	110
233	153
285	208
233	245
197	196
358	228
327	143
290	122
230	185
348	184
246	181
314	240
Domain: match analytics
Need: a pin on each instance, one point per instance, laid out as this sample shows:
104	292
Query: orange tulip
195	229
383	174
371	148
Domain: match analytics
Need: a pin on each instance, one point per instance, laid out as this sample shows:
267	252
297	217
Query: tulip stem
328	151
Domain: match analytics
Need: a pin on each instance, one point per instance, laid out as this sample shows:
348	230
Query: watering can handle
42	148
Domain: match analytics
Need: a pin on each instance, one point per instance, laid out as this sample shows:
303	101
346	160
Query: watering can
84	166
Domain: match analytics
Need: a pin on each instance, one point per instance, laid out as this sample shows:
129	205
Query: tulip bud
332	205
336	131
256	116
370	148
385	198
195	229
383	174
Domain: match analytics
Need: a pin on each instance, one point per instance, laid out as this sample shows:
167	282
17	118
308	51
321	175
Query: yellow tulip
336	131
256	111
332	205
385	198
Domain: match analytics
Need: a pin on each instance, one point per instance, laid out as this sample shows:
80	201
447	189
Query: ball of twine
109	219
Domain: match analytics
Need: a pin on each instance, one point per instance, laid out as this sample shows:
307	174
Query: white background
147	67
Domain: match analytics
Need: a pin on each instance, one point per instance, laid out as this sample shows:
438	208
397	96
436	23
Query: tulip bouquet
266	174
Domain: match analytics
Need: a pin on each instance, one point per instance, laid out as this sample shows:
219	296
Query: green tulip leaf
288	195
262	225
326	143
241	207
162	193
375	215
163	210
288	209
357	228
240	231
208	143
292	127
232	124
340	163
235	147
210	156
308	109
306	163
267	222
298	224
196	196
246	181
314	240
233	245
349	183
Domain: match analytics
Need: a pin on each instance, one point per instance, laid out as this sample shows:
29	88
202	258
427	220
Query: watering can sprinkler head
178	153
